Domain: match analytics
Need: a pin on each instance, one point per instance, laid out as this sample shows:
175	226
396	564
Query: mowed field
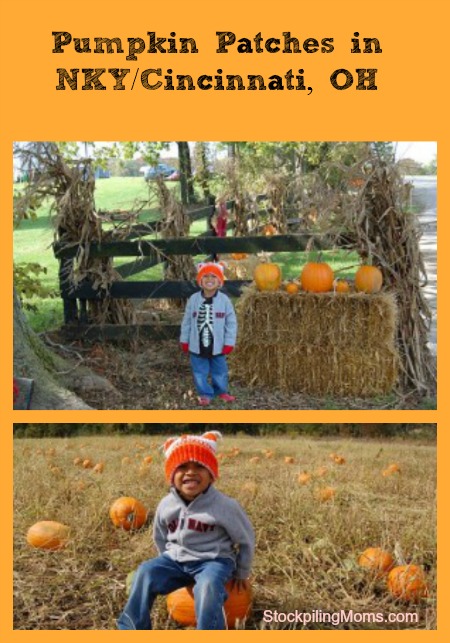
306	552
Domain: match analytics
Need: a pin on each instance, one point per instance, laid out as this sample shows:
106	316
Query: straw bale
318	344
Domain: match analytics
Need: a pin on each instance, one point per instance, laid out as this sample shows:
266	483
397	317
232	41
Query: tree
186	179
51	374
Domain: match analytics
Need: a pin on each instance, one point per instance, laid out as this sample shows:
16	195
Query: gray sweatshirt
224	323
212	526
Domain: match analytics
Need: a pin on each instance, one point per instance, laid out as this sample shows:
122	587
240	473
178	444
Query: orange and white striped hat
192	448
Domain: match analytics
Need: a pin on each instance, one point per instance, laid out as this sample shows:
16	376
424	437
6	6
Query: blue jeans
163	575
203	367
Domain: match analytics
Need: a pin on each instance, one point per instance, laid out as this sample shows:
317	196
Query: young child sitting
208	334
202	536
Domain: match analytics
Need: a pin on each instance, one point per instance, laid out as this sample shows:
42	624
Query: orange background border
408	105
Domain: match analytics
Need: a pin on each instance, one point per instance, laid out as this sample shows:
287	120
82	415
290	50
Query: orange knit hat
192	448
210	268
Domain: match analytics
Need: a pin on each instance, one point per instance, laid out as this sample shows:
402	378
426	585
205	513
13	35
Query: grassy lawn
33	244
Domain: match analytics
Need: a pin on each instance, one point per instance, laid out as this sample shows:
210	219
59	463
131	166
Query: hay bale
327	344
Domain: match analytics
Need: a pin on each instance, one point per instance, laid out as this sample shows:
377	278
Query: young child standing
202	536
208	334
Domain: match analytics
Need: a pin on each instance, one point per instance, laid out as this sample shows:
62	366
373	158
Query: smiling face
209	284
191	479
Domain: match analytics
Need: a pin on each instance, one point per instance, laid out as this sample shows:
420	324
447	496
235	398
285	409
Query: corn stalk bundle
176	224
71	184
388	235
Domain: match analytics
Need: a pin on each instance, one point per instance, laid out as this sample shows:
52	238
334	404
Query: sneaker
226	397
204	401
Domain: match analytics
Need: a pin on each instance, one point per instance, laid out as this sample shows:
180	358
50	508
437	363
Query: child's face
191	479
209	283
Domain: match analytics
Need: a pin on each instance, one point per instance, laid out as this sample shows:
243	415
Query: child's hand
240	584
184	347
227	349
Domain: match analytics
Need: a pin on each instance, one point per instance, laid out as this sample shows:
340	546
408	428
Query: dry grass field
307	550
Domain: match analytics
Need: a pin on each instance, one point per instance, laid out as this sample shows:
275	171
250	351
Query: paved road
424	198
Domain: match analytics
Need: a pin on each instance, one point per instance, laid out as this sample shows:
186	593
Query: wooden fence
151	252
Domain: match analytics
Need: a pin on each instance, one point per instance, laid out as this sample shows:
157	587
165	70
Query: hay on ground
327	344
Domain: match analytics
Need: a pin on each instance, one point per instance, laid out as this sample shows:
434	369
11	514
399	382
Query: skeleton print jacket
220	323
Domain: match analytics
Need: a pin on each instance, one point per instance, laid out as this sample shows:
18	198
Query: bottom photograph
225	526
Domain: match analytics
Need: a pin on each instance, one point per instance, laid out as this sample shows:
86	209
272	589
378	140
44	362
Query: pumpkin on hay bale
317	344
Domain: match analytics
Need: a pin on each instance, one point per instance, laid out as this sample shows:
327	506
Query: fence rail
149	252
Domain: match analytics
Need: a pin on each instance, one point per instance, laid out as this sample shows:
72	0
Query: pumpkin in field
289	459
325	494
391	470
341	286
77	461
267	276
239	256
407	582
368	279
303	478
99	467
376	560
180	605
87	463
128	513
337	459
317	277
148	459
48	534
292	288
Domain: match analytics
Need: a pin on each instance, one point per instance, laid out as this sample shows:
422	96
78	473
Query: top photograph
225	275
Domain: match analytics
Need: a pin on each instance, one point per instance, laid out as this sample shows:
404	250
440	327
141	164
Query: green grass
33	244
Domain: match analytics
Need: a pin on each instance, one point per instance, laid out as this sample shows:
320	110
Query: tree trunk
32	359
186	182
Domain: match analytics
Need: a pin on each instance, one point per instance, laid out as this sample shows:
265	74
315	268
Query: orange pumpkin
368	279
376	560
292	288
391	470
88	464
148	459
180	605
341	286
267	276
317	277
99	467
128	513
289	459
239	256
78	461
337	459
304	478
269	230
48	534
326	494
407	582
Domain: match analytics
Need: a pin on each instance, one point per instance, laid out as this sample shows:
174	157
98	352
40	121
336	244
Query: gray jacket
224	323
212	526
